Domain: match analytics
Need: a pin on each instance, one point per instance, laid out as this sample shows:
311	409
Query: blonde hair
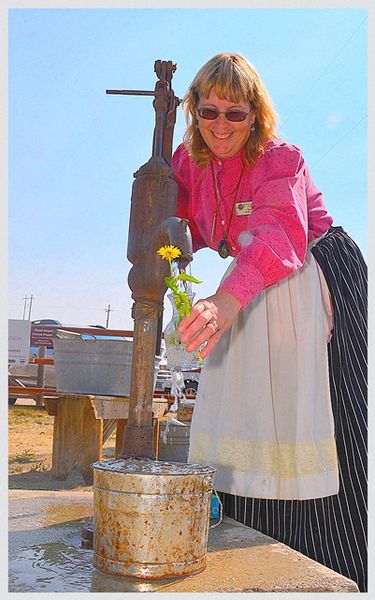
233	78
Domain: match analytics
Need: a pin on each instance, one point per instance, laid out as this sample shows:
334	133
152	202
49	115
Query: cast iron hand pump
152	224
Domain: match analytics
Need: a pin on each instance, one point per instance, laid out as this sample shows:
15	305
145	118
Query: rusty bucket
151	518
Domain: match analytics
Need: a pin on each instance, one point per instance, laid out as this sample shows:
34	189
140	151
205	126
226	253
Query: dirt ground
30	430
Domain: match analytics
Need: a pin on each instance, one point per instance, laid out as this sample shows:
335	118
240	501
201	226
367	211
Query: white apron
263	415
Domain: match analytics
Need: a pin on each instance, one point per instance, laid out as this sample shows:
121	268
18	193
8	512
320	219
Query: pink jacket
286	213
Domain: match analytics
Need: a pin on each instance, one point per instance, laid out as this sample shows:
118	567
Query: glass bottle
178	359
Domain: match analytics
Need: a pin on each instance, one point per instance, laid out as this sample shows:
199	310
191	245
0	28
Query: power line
340	140
324	72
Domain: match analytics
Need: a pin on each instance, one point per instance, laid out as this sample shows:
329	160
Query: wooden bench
82	424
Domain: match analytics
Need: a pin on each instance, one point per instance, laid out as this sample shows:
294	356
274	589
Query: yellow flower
169	252
175	282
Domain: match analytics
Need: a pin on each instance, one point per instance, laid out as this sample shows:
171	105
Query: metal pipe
41	374
131	92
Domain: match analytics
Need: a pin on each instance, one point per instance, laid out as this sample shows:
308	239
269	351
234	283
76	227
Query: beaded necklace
223	246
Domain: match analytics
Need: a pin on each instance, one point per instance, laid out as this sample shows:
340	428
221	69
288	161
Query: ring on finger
215	325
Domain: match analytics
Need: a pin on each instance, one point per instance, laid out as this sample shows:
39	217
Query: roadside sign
18	341
41	335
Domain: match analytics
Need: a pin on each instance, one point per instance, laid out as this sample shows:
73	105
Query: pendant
223	249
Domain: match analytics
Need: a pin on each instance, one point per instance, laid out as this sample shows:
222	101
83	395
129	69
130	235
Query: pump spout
146	278
177	232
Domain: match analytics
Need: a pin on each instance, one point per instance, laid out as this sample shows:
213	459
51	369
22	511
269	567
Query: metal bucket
151	518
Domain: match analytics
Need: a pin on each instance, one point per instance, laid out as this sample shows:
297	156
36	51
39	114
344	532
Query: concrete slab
45	555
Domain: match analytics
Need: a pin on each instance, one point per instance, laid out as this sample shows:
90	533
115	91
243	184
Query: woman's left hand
213	316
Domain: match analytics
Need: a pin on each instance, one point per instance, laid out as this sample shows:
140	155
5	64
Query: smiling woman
283	391
228	87
223	135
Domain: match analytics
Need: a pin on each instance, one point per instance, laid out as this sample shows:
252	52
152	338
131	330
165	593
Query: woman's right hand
208	320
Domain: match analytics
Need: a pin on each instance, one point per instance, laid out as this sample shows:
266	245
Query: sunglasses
210	114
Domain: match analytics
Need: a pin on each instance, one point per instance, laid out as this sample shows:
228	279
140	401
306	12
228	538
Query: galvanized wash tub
94	364
151	518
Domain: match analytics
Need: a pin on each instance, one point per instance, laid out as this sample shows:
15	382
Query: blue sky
73	149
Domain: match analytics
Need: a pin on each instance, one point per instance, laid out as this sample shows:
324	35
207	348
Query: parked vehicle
191	380
164	381
46	322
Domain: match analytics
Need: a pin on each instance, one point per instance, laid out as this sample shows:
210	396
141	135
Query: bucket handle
221	510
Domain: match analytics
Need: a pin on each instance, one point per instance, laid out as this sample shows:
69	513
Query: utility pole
108	310
24	307
26	298
30	305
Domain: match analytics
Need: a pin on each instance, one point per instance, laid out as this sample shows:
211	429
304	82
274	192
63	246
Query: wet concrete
45	555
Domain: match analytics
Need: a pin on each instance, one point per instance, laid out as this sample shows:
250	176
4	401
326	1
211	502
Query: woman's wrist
229	298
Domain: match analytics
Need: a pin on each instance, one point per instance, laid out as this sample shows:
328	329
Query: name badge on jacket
243	208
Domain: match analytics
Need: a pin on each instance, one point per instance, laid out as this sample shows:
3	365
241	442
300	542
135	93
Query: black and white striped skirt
332	530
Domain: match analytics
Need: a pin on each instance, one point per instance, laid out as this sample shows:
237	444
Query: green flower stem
181	298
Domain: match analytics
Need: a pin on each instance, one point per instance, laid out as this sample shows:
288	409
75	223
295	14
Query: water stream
177	391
